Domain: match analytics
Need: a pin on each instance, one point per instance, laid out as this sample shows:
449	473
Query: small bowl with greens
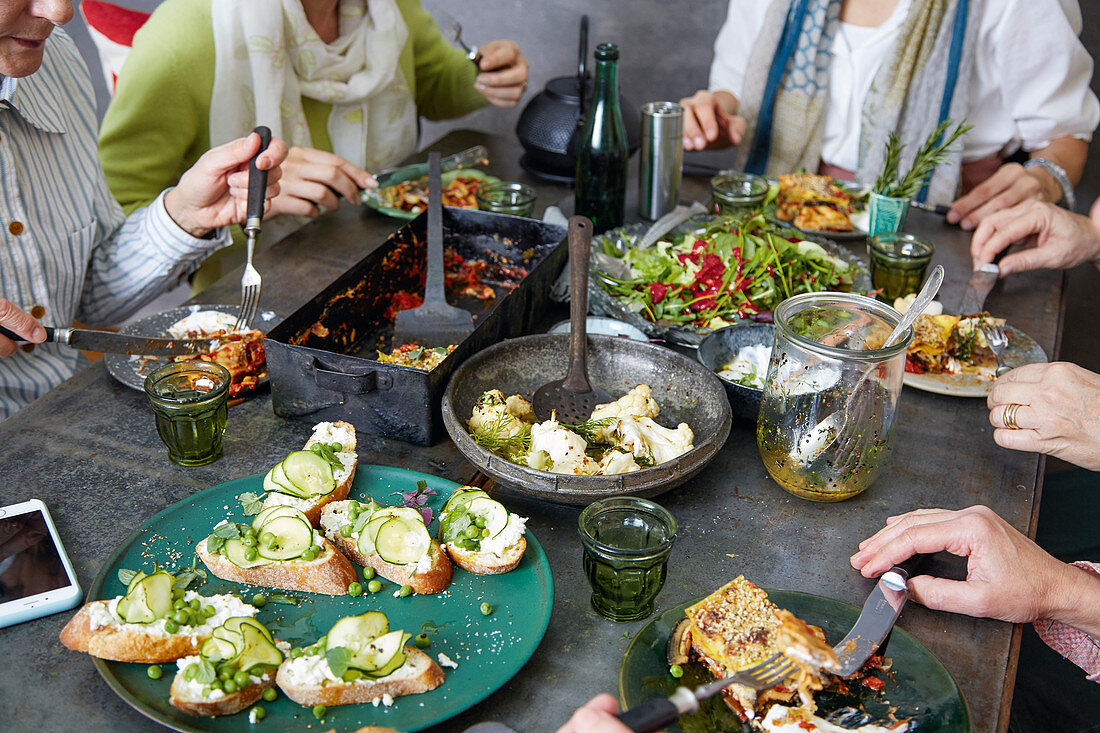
739	355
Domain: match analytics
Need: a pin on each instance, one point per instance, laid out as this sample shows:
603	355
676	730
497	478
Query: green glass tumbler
738	194
898	263
517	199
627	541
189	403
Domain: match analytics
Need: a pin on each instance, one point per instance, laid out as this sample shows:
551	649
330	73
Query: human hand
1055	239
1008	577
314	179
214	192
21	323
1010	185
503	76
596	716
1058	413
711	121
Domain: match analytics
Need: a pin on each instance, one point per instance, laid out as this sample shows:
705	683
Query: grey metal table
88	449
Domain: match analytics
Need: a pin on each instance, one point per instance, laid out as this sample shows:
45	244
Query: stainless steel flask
661	168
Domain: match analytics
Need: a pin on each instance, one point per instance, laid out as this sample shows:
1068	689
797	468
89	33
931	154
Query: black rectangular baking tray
322	358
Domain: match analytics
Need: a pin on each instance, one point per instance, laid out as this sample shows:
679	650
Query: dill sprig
588	429
928	158
495	438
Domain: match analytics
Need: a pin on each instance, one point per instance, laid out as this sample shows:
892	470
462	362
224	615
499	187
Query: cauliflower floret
520	408
564	449
618	461
638	402
646	439
491	416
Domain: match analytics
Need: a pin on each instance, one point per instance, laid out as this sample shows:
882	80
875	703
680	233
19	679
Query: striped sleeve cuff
172	242
1072	643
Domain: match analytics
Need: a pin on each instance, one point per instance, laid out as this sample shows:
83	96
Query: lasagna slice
813	202
946	344
737	627
240	352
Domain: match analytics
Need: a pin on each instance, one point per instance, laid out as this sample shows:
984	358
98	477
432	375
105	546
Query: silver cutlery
257	190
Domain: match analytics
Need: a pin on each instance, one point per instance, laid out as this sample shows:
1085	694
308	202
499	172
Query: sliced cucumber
236	623
462	495
134	581
494	513
369	532
309	472
259	650
234	551
292	536
272	483
280	510
216	649
150	599
355	633
402	542
386	653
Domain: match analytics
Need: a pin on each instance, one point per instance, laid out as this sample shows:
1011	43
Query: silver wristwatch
1069	200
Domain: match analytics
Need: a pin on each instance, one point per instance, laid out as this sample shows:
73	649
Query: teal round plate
918	687
372	201
489	650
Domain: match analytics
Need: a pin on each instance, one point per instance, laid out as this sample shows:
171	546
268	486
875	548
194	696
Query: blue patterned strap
954	57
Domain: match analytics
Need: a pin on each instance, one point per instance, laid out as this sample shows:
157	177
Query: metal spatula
574	398
435	322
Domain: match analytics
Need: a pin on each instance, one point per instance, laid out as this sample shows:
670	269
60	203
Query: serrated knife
983	280
117	343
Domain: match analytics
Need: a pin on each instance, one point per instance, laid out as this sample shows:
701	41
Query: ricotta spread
445	661
309	670
327	432
510	535
385	700
202	322
105	613
193	688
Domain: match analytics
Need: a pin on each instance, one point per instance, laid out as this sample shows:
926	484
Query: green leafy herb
284	599
588	429
455	522
328	451
416	354
187	576
205	673
929	156
495	438
441	350
228	531
250	503
125	575
418	498
338	658
431	629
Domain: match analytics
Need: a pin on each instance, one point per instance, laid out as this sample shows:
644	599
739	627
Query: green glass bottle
600	192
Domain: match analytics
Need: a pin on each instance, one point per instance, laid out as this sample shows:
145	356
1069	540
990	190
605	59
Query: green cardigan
158	123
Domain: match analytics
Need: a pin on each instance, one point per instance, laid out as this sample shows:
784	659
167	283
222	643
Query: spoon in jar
818	439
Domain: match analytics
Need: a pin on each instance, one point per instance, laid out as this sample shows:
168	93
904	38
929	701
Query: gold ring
1010	416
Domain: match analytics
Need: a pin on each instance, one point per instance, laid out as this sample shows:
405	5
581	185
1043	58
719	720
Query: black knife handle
17	338
257	179
915	565
650	716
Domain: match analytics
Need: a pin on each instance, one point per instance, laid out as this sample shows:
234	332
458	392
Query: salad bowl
720	347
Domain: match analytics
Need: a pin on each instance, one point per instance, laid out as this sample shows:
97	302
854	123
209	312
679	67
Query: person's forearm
1078	601
1067	152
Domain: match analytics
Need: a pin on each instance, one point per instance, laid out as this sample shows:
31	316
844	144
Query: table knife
476	155
117	343
983	280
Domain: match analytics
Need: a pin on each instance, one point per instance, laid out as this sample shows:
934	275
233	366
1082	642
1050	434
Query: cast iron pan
685	389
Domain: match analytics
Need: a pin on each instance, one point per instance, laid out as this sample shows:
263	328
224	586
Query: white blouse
1030	86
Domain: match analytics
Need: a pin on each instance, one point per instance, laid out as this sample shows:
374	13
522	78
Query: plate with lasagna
820	205
737	626
241	352
406	200
949	354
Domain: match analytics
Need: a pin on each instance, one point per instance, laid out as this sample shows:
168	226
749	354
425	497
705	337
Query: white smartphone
36	577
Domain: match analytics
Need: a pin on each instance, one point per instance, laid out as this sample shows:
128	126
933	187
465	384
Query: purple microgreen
426	512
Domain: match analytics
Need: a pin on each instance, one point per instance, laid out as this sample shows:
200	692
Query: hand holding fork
257	188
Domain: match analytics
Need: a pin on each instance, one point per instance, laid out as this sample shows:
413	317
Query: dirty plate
1021	350
918	687
372	201
489	650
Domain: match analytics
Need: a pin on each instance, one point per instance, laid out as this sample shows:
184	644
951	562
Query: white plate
601	326
1021	350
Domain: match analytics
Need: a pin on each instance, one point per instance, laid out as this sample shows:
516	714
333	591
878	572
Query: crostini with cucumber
279	549
317	475
359	660
391	539
479	534
155	621
231	670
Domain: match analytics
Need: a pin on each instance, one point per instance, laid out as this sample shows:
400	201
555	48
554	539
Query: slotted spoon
572	399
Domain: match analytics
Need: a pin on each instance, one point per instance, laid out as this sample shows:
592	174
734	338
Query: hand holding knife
116	343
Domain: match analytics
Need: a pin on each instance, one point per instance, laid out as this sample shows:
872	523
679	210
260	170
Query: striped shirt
66	249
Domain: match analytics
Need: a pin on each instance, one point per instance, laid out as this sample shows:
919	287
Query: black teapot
550	123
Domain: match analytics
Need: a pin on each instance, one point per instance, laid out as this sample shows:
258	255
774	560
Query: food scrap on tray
241	352
417	357
619	437
947	344
413	195
813	202
737	627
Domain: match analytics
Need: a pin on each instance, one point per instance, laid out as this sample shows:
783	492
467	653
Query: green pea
229	686
368	574
676	671
322	642
190	672
485	533
177	594
154	672
217	685
422	641
308	555
259	600
207	611
171	626
251	554
267	538
258	712
249	540
345	531
195	604
353	514
181	617
319	711
480	522
406	591
355	589
374	586
180	603
250	531
486	609
353	506
472	532
317	550
295	652
242	679
225	673
270	694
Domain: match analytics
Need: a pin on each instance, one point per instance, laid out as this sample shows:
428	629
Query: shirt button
38	311
27	348
16	228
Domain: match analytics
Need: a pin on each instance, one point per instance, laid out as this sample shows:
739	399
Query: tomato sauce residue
874	683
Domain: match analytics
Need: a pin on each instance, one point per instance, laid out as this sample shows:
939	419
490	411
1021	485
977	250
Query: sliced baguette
312	507
181	697
127	644
435	580
329	573
486	563
418	674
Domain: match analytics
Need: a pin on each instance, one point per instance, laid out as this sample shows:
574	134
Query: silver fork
257	190
997	339
654	714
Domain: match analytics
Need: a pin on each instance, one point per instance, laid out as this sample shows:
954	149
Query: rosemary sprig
929	156
588	429
495	438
